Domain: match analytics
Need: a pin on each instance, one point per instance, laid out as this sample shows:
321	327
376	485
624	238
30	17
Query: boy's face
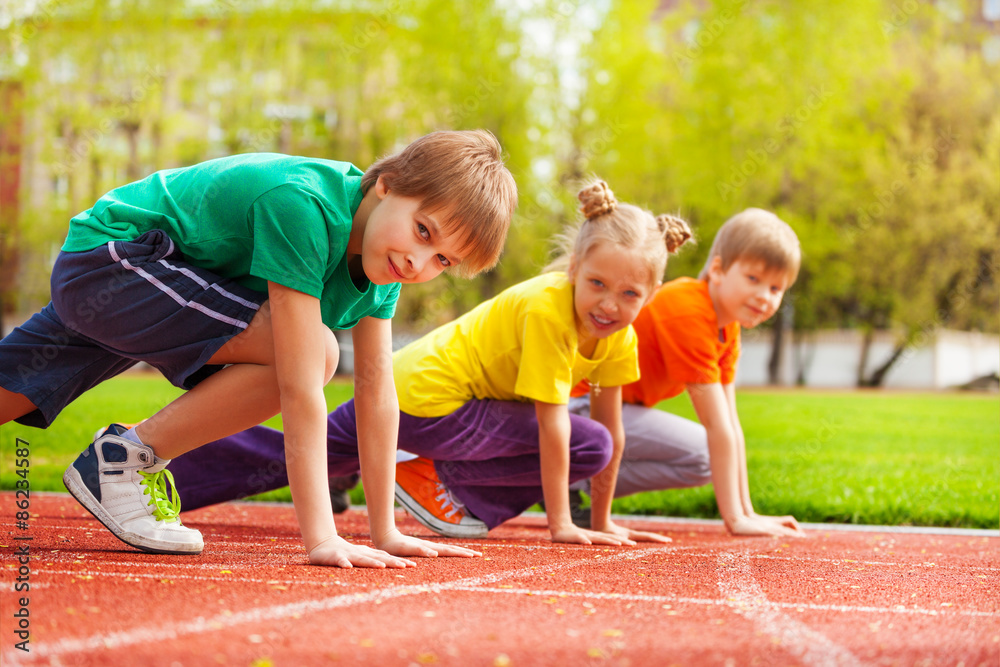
403	244
610	287
748	292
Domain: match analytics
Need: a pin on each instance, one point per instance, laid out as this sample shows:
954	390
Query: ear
381	187
571	269
715	271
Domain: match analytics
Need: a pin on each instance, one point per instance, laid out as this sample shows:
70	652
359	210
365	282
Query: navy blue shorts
116	305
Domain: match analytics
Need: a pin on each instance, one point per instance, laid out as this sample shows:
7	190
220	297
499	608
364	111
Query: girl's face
747	292
403	244
610	287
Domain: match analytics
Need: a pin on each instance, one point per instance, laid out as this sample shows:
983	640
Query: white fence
831	359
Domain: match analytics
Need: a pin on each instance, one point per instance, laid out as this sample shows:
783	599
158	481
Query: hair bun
596	200
676	231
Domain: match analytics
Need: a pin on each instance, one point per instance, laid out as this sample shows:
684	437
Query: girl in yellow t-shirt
483	399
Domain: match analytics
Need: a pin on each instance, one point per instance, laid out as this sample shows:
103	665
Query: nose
609	304
418	260
768	298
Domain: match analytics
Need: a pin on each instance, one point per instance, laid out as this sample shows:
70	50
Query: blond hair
624	225
760	235
461	174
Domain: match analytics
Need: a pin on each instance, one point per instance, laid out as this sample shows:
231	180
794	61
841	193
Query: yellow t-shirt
519	346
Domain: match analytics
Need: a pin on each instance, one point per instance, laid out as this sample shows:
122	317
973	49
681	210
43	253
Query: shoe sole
427	520
74	484
340	502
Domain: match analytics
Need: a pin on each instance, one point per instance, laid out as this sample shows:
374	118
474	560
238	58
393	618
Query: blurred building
833	359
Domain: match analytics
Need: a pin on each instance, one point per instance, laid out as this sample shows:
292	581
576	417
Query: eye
776	290
444	260
596	283
632	294
751	278
423	231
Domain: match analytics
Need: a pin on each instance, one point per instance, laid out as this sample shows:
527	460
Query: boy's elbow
332	355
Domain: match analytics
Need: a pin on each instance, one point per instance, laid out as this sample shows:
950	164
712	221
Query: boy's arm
300	352
787	521
377	410
553	445
606	409
741	449
712	407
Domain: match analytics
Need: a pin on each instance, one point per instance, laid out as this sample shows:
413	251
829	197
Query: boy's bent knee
14	405
700	473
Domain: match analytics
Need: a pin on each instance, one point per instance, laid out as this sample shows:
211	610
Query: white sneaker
126	488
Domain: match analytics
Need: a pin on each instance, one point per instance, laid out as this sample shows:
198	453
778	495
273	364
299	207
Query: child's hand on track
398	544
759	525
636	535
576	535
787	521
338	552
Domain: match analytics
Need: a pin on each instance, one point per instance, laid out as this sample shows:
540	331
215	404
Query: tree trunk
866	345
878	375
946	308
777	345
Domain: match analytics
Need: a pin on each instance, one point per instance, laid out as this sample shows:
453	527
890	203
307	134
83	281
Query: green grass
889	458
885	458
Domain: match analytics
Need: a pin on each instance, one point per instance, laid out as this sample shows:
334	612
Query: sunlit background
871	126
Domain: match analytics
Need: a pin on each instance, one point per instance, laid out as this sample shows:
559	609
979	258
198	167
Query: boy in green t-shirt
228	277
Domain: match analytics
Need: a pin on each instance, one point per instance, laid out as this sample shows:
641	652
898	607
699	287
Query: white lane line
737	583
673	599
171	631
589	595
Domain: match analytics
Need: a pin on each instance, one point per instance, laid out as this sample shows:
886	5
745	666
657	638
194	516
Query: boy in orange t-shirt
689	338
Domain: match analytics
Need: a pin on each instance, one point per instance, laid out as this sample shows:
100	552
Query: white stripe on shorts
204	284
153	280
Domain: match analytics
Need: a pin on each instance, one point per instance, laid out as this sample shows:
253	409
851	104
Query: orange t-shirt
680	343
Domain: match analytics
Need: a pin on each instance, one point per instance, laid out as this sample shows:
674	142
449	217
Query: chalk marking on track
68	557
171	631
851	561
736	581
167	571
659	599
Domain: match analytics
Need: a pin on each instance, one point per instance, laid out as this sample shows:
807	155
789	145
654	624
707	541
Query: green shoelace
165	507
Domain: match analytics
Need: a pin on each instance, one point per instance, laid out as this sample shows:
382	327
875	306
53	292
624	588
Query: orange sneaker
426	499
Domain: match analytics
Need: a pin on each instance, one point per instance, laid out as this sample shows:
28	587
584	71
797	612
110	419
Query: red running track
837	598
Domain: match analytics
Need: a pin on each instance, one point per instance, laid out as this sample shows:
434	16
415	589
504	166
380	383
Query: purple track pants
486	453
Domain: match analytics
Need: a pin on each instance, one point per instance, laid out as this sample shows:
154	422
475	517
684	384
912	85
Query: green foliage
872	458
116	90
876	140
873	140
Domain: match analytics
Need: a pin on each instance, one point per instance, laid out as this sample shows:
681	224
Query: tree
841	132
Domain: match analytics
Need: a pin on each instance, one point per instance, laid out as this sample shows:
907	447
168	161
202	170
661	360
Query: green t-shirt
254	218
